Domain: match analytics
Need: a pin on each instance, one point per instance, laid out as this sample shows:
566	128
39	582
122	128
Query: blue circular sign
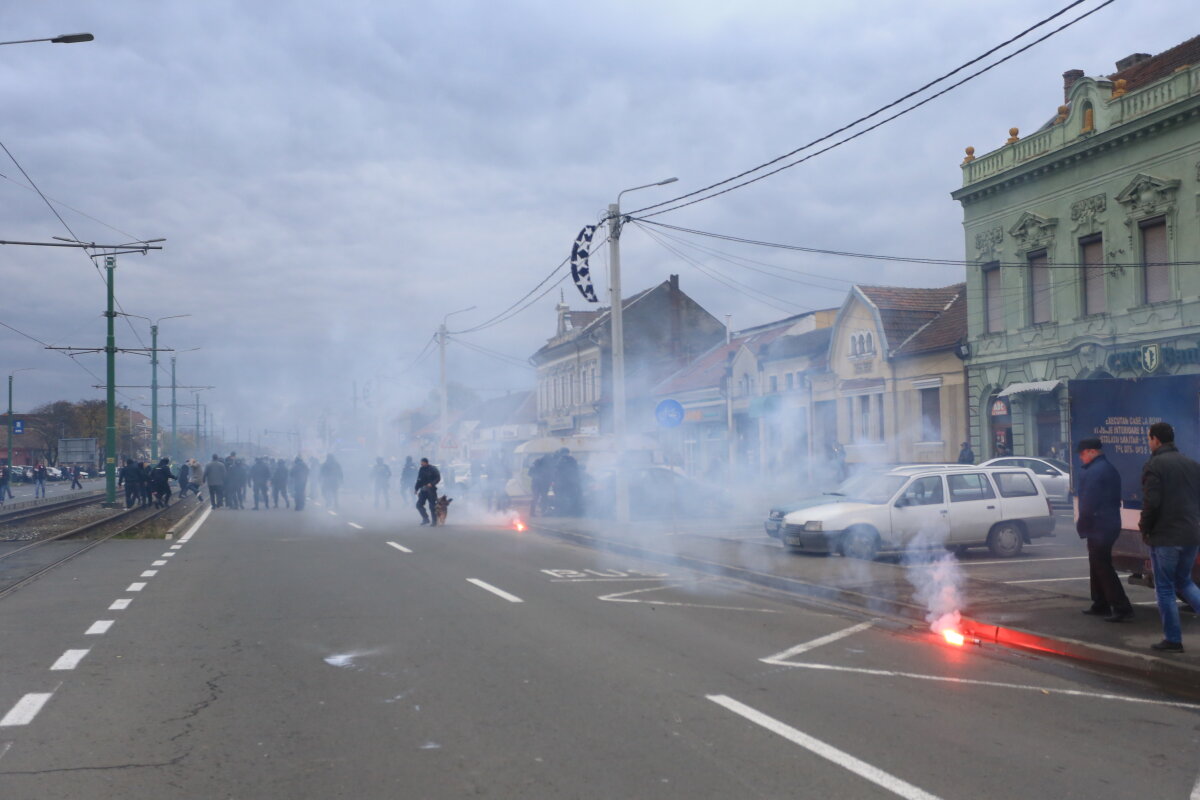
669	413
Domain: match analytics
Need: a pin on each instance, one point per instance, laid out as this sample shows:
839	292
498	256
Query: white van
1000	508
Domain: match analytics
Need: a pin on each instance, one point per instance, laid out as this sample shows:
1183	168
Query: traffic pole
110	429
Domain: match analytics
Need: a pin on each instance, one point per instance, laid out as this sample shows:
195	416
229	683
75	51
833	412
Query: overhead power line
675	204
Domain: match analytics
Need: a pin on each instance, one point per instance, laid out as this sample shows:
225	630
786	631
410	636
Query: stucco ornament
987	244
1085	213
1148	196
1033	232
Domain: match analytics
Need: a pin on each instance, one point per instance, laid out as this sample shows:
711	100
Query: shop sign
1151	357
999	407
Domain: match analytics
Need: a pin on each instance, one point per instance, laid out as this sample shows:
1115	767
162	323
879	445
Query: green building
1085	243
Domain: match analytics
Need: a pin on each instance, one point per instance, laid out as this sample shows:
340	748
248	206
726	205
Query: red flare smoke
953	637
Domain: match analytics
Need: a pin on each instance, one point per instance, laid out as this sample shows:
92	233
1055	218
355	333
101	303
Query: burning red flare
518	526
953	637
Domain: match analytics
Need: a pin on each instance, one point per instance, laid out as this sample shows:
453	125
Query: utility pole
443	422
618	346
10	420
110	422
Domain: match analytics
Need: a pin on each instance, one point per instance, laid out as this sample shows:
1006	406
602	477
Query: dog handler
428	478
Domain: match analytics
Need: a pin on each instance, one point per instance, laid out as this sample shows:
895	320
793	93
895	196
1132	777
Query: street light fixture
445	409
66	38
10	417
618	345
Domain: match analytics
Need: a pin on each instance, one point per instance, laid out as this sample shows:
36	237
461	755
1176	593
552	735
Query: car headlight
812	525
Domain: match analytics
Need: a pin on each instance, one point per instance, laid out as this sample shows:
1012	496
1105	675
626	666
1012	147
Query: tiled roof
942	332
1161	65
815	342
707	370
905	310
583	321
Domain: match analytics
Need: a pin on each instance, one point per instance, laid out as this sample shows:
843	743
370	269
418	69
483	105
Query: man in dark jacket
428	478
966	455
299	476
1099	493
1170	525
260	477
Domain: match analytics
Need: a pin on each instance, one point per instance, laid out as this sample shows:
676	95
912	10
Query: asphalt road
308	655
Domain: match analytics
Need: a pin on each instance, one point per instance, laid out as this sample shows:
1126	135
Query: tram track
49	509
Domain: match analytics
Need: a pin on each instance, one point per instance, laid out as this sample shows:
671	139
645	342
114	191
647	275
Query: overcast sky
333	178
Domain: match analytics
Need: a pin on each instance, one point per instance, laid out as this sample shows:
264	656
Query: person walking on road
541	476
299	477
76	472
260	476
39	480
381	475
331	481
279	483
1099	522
428	477
160	483
1170	525
129	477
214	477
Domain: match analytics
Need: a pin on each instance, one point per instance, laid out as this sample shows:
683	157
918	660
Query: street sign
18	426
669	413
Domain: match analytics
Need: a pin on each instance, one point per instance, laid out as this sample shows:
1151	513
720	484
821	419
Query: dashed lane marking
355	525
332	513
159	563
69	660
828	752
399	547
99	627
512	598
120	605
150	573
26	709
782	658
168	555
136	587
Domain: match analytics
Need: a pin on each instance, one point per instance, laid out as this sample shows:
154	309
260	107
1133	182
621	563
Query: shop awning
1032	386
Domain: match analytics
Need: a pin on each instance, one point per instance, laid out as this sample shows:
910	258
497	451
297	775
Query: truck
1119	412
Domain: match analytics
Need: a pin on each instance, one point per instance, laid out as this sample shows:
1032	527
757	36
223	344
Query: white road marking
25	710
1021	561
136	587
601	580
159	563
99	627
150	573
332	513
355	525
1049	580
176	547
400	547
623	597
782	658
996	684
120	605
168	555
828	752
512	598
4	749
1195	789
195	527
69	659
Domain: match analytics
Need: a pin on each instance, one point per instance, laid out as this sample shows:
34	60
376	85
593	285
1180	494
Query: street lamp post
154	387
10	418
618	346
443	420
66	38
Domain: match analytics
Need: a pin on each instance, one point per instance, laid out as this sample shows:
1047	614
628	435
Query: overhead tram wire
678	205
71	356
511	360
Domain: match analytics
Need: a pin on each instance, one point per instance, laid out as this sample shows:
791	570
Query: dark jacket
1170	499
1099	493
966	456
260	473
427	474
299	475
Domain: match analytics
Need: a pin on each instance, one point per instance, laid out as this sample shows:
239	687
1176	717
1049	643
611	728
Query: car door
1053	480
974	508
920	514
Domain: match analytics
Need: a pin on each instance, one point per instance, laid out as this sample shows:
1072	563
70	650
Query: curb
184	521
1177	677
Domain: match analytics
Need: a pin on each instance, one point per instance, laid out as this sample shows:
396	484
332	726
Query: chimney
1069	79
1130	60
674	283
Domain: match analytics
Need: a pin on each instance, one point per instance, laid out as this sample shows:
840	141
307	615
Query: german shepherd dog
440	509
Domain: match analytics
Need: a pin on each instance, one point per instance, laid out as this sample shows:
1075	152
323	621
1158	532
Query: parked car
1000	508
54	474
841	494
1053	474
657	492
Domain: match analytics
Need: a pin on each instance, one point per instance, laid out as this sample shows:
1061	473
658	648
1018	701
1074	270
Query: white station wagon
952	506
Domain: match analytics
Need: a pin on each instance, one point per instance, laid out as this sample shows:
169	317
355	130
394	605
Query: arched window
870	345
853	345
862	344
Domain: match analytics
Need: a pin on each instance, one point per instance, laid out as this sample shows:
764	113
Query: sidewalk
1030	616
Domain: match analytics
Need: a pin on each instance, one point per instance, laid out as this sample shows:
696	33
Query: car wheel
860	543
1006	540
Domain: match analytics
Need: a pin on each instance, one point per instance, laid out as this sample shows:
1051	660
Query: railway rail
49	509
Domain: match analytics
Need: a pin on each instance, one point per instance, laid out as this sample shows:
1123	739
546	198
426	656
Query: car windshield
1062	465
870	487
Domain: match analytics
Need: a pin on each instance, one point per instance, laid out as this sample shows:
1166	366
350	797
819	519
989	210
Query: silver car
1054	475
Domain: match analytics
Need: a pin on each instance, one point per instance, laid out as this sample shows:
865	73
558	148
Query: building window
851	422
1095	299
870	345
879	436
864	418
931	415
1039	288
774	384
853	345
788	381
1156	272
993	299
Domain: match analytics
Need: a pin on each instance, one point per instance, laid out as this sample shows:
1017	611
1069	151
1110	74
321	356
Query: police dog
441	508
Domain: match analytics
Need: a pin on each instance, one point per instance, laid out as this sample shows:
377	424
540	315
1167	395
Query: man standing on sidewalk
1170	525
1099	493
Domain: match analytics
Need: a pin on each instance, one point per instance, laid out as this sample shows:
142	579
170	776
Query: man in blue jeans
1170	525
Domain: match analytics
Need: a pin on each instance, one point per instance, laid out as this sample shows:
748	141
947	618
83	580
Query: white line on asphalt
176	547
26	709
355	525
4	749
195	527
69	659
782	658
332	513
996	684
600	580
622	597
168	555
1195	789
400	547
136	587
1021	561
99	627
120	605
150	573
159	563
826	751
512	598
1048	580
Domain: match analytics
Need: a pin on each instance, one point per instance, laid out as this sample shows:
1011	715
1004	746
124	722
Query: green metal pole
154	394
110	429
174	440
10	427
197	450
